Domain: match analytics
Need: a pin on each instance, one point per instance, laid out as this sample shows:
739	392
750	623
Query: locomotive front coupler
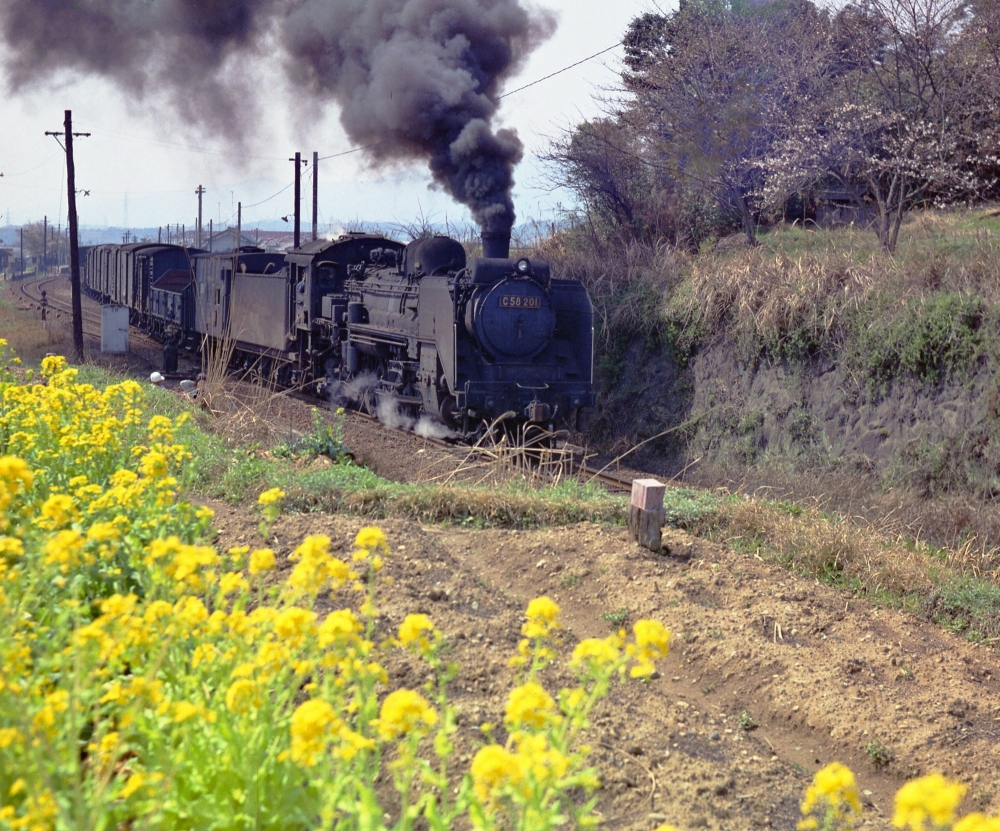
538	411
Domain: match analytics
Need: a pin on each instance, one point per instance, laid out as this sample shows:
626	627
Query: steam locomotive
415	327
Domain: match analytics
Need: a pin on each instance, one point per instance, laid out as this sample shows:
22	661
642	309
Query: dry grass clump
838	550
248	410
247	413
457	503
627	280
961	524
769	296
792	292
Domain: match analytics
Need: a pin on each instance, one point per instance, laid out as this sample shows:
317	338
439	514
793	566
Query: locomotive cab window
327	276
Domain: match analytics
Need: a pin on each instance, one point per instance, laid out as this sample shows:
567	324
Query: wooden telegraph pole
315	195
200	192
298	198
74	240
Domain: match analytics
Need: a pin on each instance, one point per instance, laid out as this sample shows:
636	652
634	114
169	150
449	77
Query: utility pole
315	195
74	240
22	252
298	197
200	191
45	242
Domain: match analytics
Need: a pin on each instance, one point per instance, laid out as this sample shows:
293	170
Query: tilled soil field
770	676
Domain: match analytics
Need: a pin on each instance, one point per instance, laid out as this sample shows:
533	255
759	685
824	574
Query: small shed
114	329
842	206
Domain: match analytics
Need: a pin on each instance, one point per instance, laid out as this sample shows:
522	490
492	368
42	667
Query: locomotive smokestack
496	244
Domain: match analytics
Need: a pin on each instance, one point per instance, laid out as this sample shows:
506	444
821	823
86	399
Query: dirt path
821	675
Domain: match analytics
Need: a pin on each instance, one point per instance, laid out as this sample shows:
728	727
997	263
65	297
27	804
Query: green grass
968	604
687	508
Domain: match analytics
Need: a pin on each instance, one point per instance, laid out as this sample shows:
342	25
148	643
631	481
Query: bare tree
713	86
35	244
896	128
608	166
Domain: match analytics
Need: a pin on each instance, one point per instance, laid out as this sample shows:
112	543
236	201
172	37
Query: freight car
125	274
414	327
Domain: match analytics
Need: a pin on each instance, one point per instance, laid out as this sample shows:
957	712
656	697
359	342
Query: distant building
840	206
225	240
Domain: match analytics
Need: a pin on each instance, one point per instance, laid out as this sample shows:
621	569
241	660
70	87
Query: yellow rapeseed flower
932	798
529	706
242	696
183	710
57	511
404	712
542	618
493	770
271	496
351	743
11	547
371	539
340	627
313	723
262	559
652	642
314	568
191	612
15	473
64	549
8	736
834	792
232	581
546	764
294	624
977	822
414	632
134	783
594	654
154	464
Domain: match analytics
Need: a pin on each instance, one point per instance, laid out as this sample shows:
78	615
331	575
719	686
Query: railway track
142	347
577	469
32	289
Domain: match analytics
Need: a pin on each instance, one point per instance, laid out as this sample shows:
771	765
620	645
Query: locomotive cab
319	273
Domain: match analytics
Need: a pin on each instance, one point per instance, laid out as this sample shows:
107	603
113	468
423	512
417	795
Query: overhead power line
262	201
560	71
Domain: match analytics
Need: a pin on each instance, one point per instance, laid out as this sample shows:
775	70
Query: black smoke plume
414	79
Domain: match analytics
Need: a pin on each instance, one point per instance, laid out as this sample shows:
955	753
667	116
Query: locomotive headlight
524	267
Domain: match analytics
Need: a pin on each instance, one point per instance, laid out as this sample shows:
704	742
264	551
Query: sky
141	164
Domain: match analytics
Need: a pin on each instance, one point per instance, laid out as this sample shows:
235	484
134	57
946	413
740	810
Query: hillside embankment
814	364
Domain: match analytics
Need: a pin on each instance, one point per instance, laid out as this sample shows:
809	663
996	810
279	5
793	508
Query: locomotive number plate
515	301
